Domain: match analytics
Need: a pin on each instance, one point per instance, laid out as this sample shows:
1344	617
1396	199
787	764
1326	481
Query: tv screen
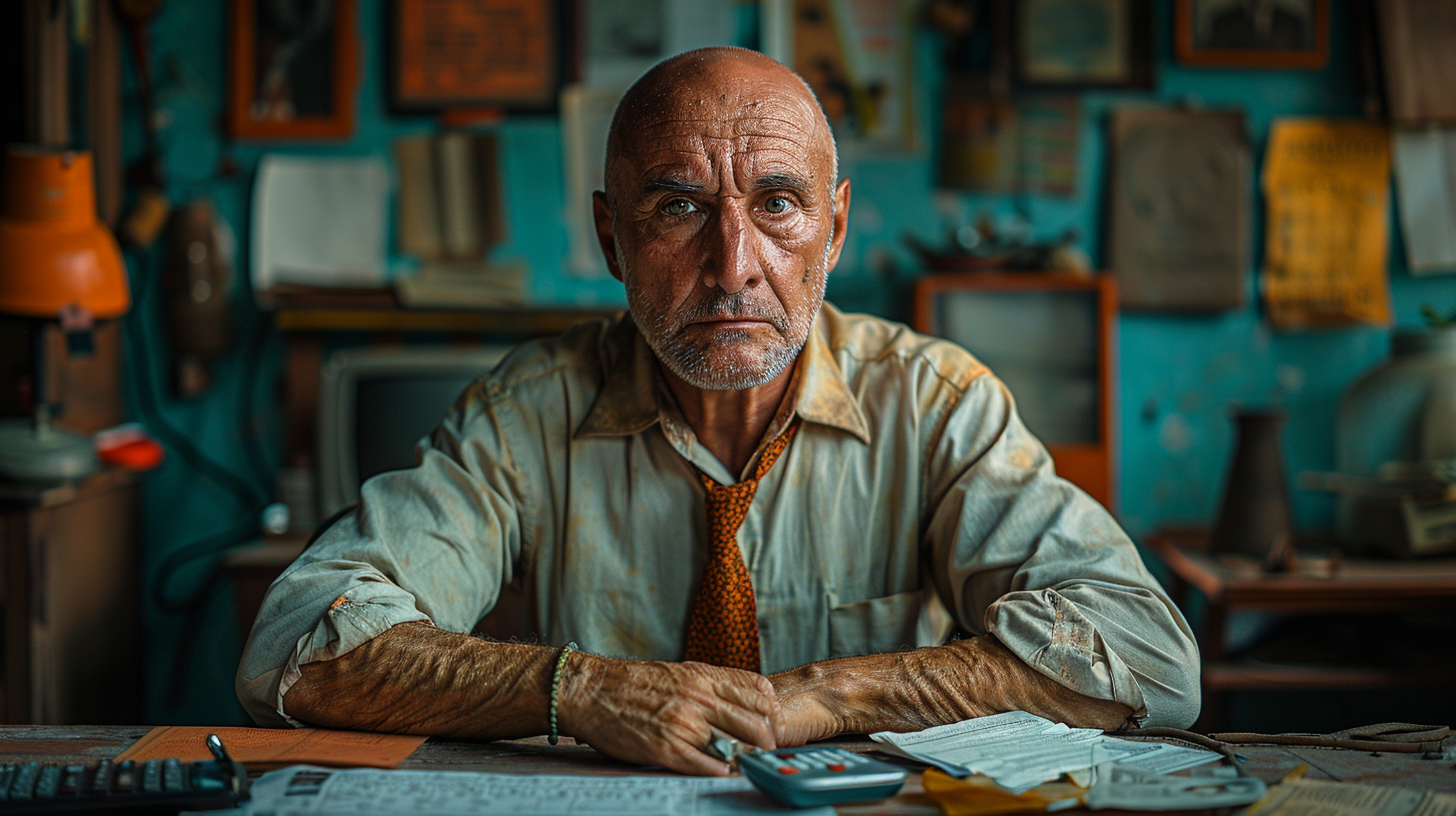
375	404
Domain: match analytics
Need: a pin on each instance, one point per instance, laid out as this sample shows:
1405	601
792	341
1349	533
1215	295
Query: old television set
376	403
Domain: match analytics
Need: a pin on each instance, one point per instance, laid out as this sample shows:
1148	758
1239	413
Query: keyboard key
126	781
105	775
173	781
49	782
72	779
151	776
7	775
23	786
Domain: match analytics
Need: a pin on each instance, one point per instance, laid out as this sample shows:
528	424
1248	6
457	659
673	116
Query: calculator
154	786
811	776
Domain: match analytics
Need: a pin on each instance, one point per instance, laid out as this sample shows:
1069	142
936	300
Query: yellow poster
1327	193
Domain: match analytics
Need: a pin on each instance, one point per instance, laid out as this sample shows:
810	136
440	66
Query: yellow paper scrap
1327	192
977	795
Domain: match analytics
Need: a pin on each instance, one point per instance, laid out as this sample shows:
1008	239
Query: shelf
304	309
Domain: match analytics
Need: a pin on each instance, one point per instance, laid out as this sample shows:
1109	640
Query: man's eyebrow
671	185
782	181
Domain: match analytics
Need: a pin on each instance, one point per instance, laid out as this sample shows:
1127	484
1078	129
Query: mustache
720	305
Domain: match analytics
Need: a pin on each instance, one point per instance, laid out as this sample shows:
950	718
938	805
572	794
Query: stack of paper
1020	750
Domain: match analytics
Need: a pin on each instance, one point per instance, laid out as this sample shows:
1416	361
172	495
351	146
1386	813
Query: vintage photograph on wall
293	69
1082	43
1253	33
508	54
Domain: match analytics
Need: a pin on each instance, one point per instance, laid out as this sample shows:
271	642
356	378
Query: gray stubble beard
693	362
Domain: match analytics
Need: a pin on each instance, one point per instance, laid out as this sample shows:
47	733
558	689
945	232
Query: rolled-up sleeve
1026	556
435	543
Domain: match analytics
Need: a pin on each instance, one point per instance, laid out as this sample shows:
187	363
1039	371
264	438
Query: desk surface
85	744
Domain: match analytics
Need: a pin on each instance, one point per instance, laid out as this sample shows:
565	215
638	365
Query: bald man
746	507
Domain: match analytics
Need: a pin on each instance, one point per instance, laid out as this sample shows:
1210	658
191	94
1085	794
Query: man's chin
730	369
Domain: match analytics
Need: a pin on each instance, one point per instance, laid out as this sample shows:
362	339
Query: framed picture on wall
1253	33
507	54
1082	43
293	67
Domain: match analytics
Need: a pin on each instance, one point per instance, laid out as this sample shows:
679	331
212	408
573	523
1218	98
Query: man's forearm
417	679
908	691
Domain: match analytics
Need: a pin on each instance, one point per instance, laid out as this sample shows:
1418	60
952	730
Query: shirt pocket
875	626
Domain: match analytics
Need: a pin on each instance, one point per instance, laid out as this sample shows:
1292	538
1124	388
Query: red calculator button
836	767
786	755
788	770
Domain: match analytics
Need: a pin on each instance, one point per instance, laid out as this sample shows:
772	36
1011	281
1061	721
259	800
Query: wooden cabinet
70	595
1051	338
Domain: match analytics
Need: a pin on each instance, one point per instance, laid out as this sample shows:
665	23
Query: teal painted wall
1179	375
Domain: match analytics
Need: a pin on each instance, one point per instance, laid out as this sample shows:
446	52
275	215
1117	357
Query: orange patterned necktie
723	620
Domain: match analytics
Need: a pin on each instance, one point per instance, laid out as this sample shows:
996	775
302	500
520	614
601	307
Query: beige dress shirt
911	497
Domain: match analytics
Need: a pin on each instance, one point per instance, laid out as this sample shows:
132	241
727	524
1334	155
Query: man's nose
731	262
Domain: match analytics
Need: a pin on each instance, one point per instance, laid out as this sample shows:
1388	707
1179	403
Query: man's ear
841	223
602	214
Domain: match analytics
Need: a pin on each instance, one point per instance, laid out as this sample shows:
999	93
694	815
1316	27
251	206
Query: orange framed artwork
1253	33
463	54
293	69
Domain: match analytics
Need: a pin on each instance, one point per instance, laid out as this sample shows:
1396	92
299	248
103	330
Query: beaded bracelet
556	687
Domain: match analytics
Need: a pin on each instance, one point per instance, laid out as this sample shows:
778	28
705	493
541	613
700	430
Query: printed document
304	790
1020	750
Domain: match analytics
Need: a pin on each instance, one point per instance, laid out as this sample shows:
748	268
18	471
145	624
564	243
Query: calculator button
836	767
786	755
788	770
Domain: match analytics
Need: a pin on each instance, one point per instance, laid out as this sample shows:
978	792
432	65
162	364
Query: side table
1315	586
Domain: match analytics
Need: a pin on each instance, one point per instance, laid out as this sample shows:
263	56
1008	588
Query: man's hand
909	691
656	713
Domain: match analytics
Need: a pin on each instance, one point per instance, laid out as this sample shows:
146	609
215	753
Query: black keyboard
152	786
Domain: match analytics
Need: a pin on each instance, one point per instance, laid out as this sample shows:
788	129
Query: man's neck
730	424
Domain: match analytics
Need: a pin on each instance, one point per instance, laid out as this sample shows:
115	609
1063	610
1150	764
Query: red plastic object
128	447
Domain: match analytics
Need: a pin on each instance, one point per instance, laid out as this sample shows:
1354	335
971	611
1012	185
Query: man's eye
678	206
777	205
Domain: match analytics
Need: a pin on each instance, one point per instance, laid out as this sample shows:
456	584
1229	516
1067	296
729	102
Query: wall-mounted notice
1327	192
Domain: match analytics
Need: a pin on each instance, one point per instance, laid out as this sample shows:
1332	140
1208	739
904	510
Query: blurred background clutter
250	251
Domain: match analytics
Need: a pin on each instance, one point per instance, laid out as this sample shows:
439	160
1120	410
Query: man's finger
750	694
745	725
689	759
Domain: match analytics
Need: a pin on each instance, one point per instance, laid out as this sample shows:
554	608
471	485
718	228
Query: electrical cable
248	498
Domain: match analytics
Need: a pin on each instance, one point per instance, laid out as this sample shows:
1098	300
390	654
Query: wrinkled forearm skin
909	691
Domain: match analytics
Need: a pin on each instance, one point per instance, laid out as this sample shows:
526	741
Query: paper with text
310	791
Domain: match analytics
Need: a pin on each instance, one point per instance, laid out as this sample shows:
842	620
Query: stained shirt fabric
912	498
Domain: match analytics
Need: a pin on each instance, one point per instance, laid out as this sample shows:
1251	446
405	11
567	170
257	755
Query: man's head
723	214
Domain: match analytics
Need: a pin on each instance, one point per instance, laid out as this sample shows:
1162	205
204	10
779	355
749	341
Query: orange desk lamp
58	264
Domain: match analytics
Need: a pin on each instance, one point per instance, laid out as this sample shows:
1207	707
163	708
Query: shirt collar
634	391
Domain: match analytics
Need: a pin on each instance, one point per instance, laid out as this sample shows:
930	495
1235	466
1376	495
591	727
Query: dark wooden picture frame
1220	34
1056	48
432	68
292	75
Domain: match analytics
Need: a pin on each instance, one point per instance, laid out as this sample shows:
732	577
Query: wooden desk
1316	586
88	744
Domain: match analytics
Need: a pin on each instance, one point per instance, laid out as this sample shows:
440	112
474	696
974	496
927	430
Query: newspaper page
1312	797
1327	192
305	790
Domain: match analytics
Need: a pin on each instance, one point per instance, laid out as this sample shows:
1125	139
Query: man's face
725	225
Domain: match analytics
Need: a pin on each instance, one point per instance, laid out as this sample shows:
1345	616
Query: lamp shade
54	251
